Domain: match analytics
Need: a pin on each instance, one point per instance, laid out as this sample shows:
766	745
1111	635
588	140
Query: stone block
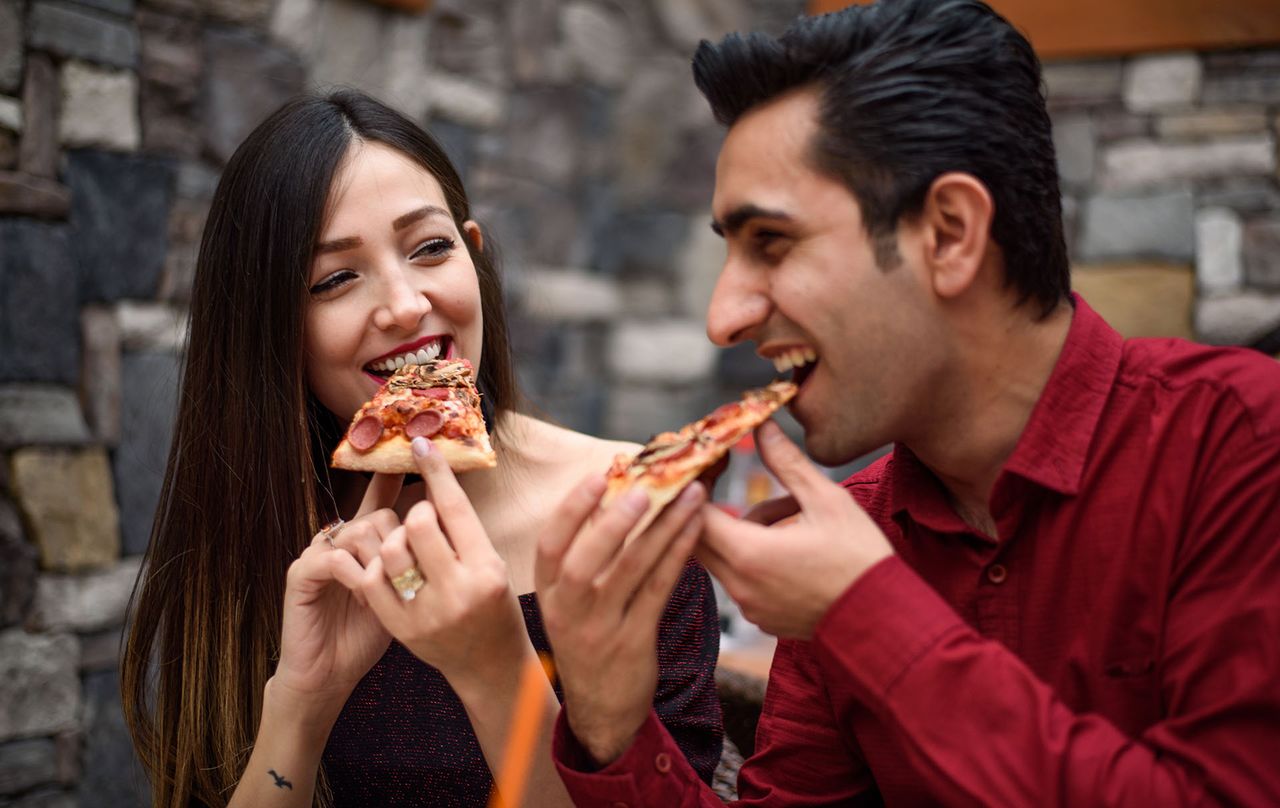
66	500
687	22
1236	319
41	693
46	797
119	8
1246	87
18	573
1244	195
150	402
1117	123
119	248
465	101
1207	123
10	114
89	602
533	41
1262	253
1140	300
1129	226
470	42
698	265
638	412
112	775
382	52
38	303
1219	250
599	42
246	80
100	376
1145	163
296	25
570	295
186	223
76	32
26	764
643	244
38	150
8	150
547	123
40	415
100	650
646	297
1086	83
170	70
1074	143
10	45
151	326
99	107
1163	81
242	12
672	352
658	107
28	195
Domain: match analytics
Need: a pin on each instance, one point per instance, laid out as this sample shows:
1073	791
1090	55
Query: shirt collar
1052	449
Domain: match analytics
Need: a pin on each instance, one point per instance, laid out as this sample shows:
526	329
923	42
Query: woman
340	237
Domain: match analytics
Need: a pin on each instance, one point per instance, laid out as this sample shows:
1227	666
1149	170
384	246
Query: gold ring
408	583
331	530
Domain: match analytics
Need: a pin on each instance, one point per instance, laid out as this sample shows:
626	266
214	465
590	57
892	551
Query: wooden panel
1070	28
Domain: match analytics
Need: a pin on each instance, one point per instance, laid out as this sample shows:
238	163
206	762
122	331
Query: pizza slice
672	460
436	399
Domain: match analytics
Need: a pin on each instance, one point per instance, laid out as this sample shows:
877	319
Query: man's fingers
595	546
772	510
638	558
651	599
456	515
796	472
569	517
382	492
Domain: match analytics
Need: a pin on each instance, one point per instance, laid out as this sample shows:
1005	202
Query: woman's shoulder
572	450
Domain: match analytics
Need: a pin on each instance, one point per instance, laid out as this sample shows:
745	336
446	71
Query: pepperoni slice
424	425
364	435
436	393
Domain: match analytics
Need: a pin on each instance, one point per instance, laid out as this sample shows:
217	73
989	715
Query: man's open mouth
415	353
800	361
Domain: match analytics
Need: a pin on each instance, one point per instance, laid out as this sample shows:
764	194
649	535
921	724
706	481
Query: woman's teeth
794	358
424	354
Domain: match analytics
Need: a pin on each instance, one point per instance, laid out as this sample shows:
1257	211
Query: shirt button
996	573
662	762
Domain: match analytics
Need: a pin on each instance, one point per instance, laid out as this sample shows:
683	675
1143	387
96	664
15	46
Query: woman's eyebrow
417	215
338	245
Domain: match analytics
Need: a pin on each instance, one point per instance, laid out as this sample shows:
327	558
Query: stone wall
589	156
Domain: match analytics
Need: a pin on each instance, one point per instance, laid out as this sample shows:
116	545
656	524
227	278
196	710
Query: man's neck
1003	366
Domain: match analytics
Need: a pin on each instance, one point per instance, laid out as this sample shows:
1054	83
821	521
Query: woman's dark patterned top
403	738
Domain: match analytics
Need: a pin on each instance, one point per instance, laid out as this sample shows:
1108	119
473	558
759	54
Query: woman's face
391	279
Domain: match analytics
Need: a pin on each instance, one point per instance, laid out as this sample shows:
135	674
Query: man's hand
601	603
785	577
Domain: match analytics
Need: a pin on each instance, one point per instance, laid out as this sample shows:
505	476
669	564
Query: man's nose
739	303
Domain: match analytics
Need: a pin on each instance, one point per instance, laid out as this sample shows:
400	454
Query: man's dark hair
909	90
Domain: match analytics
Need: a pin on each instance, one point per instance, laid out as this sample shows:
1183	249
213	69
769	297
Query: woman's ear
473	233
956	218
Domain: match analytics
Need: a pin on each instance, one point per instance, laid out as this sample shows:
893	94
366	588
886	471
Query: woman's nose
404	305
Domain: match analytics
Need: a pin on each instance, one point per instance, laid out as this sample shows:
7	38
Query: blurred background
589	156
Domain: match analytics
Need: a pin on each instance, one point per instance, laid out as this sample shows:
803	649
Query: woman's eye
433	248
337	279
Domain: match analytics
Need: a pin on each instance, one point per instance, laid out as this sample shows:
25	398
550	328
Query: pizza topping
364	435
424	425
437	393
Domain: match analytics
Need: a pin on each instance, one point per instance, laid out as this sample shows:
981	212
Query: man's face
801	282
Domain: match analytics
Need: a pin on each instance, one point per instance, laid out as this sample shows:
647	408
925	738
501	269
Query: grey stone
100	382
687	22
1244	195
43	798
1117	123
170	71
112	774
10	114
378	50
84	602
99	107
1219	253
151	327
535	223
599	42
186	223
1073	141
25	764
1237	319
150	402
536	55
657	109
120	8
42	691
196	181
119	248
1206	123
76	32
1164	81
1262	253
27	195
1082	83
1251	60
569	295
699	264
38	150
457	141
100	650
646	297
8	150
638	412
644	244
739	368
66	500
18	573
296	25
38	303
245	81
546	123
10	45
671	352
1141	162
471	43
1127	226
243	12
464	101
40	415
1247	88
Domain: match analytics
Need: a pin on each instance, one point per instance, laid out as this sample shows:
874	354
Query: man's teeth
794	358
424	354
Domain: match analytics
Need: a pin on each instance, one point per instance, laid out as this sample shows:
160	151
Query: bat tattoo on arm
280	781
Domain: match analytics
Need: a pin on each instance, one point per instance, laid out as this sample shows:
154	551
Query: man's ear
472	231
956	223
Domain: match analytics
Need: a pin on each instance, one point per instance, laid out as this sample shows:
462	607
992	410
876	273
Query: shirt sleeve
1009	740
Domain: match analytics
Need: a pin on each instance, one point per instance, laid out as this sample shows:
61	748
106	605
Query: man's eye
337	279
433	248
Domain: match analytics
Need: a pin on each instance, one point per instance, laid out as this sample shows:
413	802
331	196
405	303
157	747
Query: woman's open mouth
414	353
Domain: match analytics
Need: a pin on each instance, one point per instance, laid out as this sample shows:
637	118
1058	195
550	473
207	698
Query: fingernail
635	501
691	494
421	447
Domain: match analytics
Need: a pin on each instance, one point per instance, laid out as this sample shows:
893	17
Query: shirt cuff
652	771
880	626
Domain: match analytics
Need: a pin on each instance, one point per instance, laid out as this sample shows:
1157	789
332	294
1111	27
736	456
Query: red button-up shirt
1116	643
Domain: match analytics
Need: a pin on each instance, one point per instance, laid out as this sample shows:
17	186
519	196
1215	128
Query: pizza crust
394	455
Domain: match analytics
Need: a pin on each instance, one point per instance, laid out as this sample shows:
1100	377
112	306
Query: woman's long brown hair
247	483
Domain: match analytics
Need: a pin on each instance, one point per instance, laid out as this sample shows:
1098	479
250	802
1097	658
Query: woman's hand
465	620
330	637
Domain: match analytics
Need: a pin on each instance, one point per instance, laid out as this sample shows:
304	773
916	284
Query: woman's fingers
382	492
456	516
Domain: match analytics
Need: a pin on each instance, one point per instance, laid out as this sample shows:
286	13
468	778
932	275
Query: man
1063	585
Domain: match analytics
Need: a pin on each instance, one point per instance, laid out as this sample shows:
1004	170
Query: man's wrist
601	740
